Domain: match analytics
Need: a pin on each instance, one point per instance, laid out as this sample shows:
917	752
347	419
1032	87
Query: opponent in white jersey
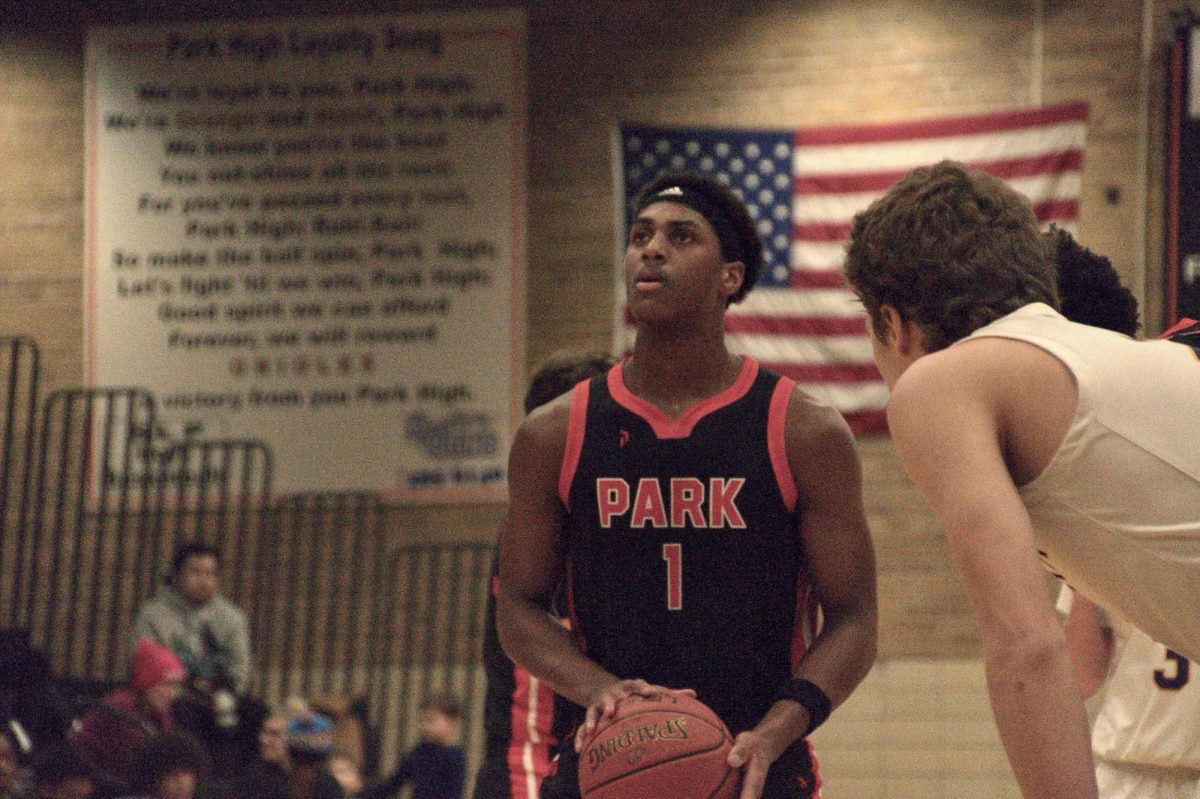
1035	434
1146	736
1116	509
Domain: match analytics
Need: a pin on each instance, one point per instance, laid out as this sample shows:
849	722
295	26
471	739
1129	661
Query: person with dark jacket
169	766
435	767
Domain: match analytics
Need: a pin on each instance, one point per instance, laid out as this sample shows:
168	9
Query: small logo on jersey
623	438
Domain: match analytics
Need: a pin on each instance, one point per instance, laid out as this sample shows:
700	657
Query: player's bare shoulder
820	446
551	416
542	435
814	422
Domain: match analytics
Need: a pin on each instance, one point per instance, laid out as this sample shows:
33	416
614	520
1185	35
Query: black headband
713	209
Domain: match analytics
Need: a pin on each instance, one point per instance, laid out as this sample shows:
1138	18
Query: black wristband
810	695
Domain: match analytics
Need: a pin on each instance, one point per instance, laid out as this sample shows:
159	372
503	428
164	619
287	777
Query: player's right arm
532	564
947	430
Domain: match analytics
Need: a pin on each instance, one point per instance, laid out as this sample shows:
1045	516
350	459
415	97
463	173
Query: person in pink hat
111	731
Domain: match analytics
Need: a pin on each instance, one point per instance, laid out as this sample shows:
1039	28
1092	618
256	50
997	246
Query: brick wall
919	726
593	64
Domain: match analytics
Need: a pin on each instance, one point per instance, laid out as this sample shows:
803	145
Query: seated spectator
293	758
266	776
436	767
11	773
31	708
60	773
111	731
208	632
346	772
170	766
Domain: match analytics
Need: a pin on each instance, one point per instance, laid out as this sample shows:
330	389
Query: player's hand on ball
753	752
604	704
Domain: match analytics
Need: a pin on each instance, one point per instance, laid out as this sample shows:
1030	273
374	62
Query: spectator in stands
31	708
208	632
111	731
266	776
436	767
293	755
310	743
169	766
59	773
11	786
346	772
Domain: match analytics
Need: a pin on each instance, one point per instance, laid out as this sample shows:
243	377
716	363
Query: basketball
671	744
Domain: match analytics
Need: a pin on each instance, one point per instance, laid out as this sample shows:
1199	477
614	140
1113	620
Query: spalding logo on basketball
671	744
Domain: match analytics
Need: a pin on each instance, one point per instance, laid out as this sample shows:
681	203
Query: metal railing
96	497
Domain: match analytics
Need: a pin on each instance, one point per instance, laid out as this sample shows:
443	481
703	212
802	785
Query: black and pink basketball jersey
685	565
1185	331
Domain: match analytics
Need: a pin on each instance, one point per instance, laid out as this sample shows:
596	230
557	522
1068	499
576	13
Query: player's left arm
840	563
1089	643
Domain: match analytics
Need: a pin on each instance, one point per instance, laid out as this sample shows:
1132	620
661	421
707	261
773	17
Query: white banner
310	232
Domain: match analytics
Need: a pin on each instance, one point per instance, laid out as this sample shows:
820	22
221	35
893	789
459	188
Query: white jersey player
1146	736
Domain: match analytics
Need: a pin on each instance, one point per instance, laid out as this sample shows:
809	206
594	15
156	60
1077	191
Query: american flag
804	187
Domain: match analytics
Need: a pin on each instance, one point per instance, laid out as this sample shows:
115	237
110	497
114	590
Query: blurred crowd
183	725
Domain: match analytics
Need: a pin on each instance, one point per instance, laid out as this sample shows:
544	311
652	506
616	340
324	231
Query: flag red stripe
817	279
822	232
827	372
942	127
796	325
1057	209
867	422
839	232
1048	164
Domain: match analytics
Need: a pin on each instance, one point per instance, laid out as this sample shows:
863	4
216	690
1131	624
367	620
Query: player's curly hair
728	215
1089	288
559	373
950	250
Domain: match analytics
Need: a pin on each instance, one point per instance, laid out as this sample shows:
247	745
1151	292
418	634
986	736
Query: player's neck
674	372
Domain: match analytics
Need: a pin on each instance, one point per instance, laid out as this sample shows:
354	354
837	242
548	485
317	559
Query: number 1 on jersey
673	555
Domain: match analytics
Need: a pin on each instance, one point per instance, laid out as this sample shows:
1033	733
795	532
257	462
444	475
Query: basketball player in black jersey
699	508
523	720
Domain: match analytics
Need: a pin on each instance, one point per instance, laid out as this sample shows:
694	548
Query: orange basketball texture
669	745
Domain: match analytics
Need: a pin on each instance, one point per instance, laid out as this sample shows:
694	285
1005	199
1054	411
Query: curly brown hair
950	250
1090	288
559	373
